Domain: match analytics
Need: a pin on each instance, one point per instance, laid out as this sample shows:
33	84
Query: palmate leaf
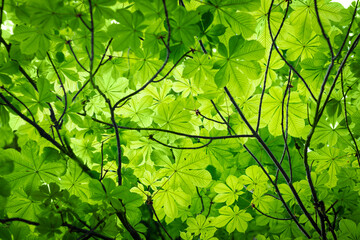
187	172
174	117
32	169
138	110
238	64
20	205
304	46
31	40
184	25
255	178
229	192
233	218
304	16
239	22
262	28
49	16
169	199
130	29
114	89
331	160
199	70
201	225
314	70
348	229
271	113
76	181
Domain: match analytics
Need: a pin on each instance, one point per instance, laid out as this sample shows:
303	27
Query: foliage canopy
191	119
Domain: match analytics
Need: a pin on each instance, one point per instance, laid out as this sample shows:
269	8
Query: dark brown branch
201	200
210	119
268	66
151	137
48	137
293	217
103	56
64	224
17	99
160	69
172	68
73	53
357	153
282	56
157	218
285	132
266	215
348	31
275	161
322	29
62	86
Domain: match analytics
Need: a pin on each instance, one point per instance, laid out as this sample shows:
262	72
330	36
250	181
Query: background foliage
214	119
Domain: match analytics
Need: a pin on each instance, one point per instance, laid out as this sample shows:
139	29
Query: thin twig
17	99
151	137
357	153
210	119
160	69
157	218
268	66
62	86
348	31
64	224
322	29
281	55
73	53
278	193
276	162
201	200
266	215
172	68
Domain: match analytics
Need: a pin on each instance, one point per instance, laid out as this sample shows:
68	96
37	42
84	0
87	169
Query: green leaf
170	199
6	164
131	27
272	113
31	170
31	40
349	230
200	225
233	218
173	117
184	25
229	192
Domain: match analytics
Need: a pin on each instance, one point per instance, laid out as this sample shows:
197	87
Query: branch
266	215
45	135
282	56
160	69
275	161
62	86
348	31
64	224
172	68
73	53
17	99
322	29
103	56
210	119
151	137
157	218
285	132
172	132
268	65
278	193
347	122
